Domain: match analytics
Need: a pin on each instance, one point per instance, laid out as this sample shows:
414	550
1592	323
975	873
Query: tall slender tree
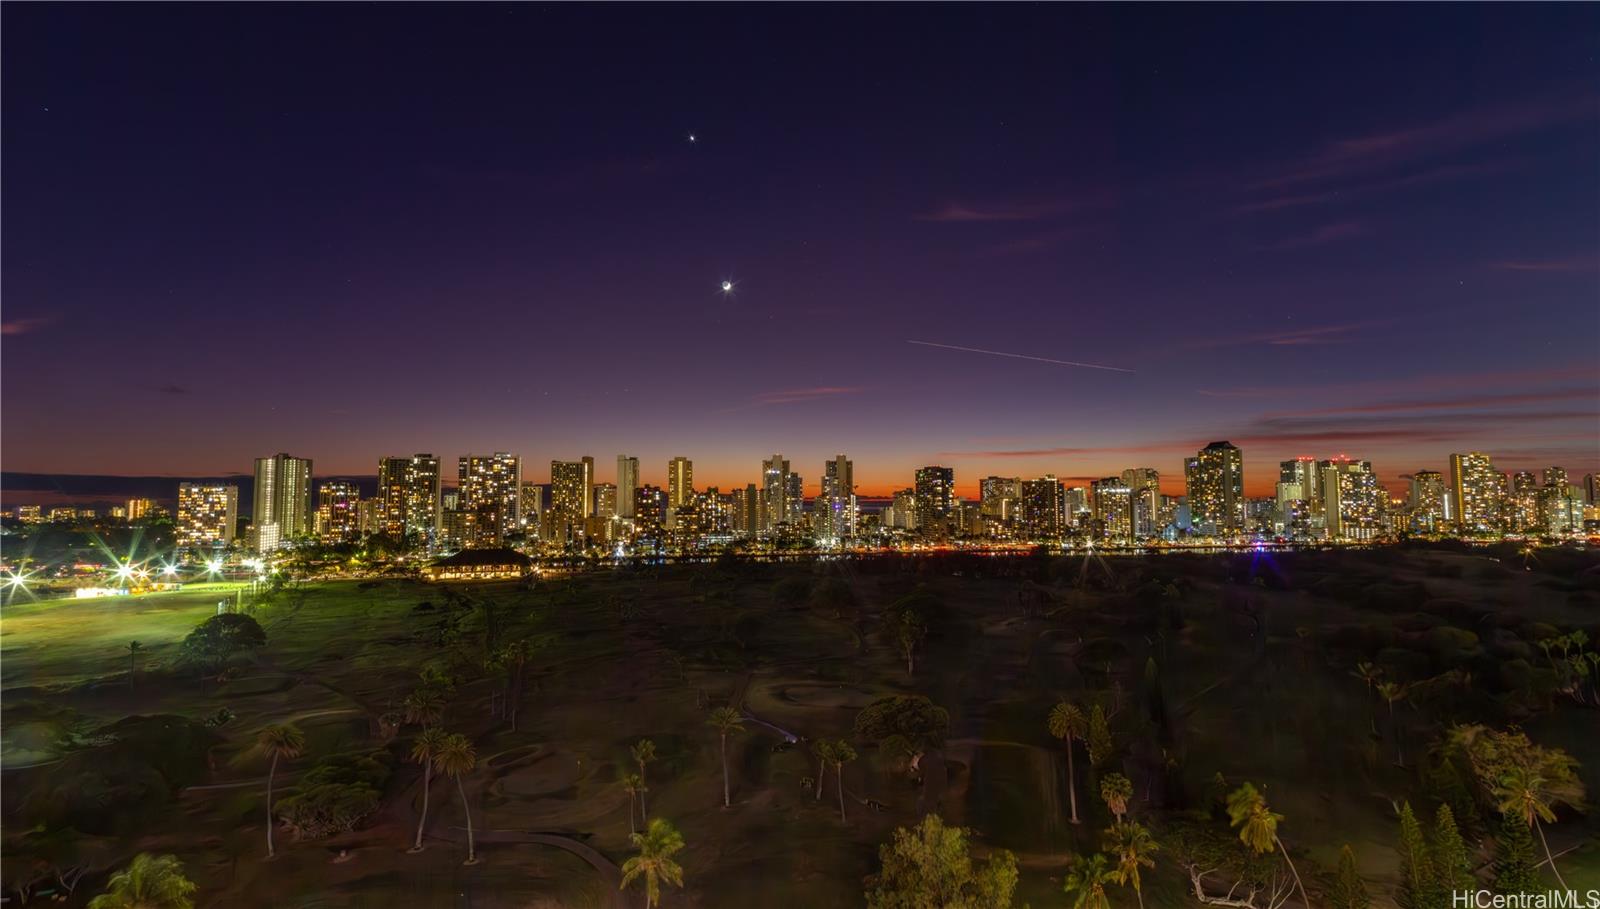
1452	864
823	749
1131	846
1101	745
1067	723
1116	790
456	758
1418	887
633	784
424	751
1531	788
1086	882
1515	868
280	743
1349	890
842	754
726	721
655	863
1258	827
644	753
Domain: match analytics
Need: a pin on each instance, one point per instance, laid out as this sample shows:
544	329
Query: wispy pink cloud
1418	142
956	212
1327	233
794	395
1288	337
1580	263
1465	402
1356	190
22	326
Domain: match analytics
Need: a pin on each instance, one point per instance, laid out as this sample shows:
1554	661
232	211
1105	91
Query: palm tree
457	757
1131	845
1531	789
1258	827
1067	723
842	754
633	784
424	751
823	749
425	706
725	720
514	657
657	845
1116	789
134	649
1371	675
1394	692
644	752
1087	882
280	743
149	882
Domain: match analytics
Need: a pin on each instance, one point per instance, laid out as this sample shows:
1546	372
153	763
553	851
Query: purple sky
345	232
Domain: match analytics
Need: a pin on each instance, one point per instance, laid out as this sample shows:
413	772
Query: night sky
345	232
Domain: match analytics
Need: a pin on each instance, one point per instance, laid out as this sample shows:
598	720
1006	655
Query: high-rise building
1215	481
605	500
490	487
1477	489
338	512
1352	500
1000	498
1043	509
1427	501
747	513
1112	504
1591	489
571	498
530	506
207	514
282	506
680	481
1144	488
936	498
1075	508
777	486
650	512
1302	472
837	503
139	509
1521	511
410	491
627	482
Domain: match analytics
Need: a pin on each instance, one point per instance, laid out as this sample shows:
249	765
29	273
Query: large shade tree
149	882
931	865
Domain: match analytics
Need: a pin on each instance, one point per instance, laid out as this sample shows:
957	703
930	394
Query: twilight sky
352	231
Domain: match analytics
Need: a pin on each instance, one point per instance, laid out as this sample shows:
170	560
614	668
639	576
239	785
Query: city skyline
1396	264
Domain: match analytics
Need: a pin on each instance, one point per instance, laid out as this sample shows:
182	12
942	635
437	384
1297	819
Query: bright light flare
214	566
727	287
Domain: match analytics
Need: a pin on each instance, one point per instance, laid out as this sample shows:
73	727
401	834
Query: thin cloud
1017	356
173	390
1328	233
1463	403
1442	174
1035	209
794	395
22	326
1293	337
1379	151
1584	263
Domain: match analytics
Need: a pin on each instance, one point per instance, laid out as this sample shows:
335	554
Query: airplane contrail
1017	356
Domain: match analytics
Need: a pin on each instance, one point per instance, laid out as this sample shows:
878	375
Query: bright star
691	138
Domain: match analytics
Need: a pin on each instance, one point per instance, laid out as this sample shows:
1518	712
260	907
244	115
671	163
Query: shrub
318	811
